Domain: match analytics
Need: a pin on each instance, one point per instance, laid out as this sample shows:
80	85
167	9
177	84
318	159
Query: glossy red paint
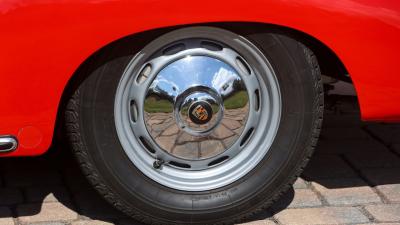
43	42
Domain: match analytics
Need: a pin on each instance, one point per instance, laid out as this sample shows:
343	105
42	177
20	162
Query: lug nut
158	163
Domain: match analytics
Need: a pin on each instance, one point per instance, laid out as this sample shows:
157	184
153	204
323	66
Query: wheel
200	126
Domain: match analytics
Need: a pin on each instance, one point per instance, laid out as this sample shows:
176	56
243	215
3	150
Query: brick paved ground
353	178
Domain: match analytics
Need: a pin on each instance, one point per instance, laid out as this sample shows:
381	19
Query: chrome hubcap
193	113
189	95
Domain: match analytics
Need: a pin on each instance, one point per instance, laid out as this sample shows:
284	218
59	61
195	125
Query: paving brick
341	134
6	216
91	222
48	223
385	213
47	194
260	222
300	198
32	178
7	221
350	146
384	159
327	166
379	224
386	180
327	215
94	206
390	191
10	196
352	191
31	213
300	184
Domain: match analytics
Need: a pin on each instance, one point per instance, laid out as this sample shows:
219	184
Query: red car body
43	42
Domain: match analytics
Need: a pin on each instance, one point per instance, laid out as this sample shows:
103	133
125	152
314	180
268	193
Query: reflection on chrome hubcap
199	125
192	113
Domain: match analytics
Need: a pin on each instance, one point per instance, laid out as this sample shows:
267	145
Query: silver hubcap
186	111
194	114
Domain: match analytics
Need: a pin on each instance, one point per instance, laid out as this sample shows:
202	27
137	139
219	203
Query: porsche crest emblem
200	113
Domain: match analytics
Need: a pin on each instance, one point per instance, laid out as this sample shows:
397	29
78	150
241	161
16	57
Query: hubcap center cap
198	110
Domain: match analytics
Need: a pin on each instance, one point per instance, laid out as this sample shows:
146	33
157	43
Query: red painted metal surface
43	42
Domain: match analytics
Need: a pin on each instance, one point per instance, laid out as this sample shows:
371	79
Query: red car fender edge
43	42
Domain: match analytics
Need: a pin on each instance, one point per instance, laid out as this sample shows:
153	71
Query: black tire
92	134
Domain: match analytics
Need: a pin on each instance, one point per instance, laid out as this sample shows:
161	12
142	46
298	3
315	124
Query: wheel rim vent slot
218	161
144	74
246	137
243	65
173	49
257	100
147	146
211	46
181	165
134	111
